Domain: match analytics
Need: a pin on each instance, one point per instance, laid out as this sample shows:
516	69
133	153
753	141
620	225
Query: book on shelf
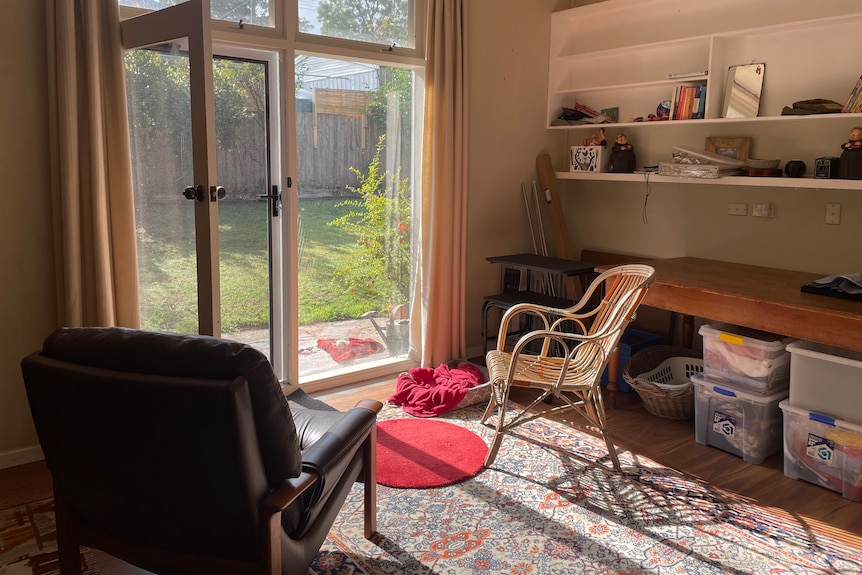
700	99
854	100
586	110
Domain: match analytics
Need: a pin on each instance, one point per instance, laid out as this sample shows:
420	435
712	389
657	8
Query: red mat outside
423	453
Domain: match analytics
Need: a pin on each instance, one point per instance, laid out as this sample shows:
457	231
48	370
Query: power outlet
833	214
763	210
737	209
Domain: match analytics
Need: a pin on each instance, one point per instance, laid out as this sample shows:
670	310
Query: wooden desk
757	297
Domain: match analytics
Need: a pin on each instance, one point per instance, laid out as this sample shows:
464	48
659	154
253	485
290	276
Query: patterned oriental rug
28	540
561	510
539	510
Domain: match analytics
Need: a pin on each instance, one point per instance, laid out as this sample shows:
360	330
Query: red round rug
423	453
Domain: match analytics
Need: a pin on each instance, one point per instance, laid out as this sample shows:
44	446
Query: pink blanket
427	392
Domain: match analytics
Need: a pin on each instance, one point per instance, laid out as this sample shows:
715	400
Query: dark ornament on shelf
795	168
622	160
850	167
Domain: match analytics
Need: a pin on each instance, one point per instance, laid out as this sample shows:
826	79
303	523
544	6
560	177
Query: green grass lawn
167	267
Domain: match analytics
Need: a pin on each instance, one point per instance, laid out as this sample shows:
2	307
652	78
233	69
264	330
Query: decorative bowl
770	164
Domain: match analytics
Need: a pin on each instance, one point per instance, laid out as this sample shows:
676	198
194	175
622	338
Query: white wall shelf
713	122
783	182
808	52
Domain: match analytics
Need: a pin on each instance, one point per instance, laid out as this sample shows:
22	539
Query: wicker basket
661	376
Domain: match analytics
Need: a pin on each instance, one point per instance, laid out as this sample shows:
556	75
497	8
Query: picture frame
732	147
613	114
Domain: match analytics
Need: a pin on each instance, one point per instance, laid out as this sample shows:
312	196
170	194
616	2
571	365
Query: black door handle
274	199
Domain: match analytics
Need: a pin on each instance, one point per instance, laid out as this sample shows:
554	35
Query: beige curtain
96	261
439	296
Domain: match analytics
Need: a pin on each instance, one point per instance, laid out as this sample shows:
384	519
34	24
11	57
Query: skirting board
22	456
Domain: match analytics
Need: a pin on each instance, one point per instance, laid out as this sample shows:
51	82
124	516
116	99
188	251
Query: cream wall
508	86
28	309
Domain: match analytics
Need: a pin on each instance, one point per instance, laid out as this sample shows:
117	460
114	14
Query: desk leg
687	331
613	378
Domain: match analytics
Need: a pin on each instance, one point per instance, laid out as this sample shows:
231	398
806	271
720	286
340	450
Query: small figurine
622	159
600	139
850	165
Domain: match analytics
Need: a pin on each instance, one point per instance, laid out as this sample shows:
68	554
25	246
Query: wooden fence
323	170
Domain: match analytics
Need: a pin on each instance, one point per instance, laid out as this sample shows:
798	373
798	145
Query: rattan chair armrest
516	310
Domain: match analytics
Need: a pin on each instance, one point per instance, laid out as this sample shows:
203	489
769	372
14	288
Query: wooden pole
555	214
555	210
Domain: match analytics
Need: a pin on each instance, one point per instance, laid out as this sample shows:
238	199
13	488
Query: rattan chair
566	355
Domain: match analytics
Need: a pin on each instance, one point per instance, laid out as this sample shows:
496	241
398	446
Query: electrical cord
646	197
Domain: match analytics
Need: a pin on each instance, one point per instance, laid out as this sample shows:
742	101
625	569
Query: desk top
761	298
544	264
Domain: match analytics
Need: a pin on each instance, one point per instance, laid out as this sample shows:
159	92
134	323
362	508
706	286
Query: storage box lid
822	418
826	353
704	382
744	336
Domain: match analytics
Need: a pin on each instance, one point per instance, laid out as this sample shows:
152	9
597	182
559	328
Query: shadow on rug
541	510
28	541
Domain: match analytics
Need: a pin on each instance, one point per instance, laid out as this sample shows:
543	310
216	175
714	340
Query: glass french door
173	162
327	272
205	205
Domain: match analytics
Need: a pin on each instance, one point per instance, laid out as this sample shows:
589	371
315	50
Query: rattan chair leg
612	450
492	404
493	449
598	407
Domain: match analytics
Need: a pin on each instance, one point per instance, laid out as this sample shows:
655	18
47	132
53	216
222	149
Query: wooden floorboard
670	443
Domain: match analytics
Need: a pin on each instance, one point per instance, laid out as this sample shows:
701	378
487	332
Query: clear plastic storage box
826	379
823	450
747	359
736	421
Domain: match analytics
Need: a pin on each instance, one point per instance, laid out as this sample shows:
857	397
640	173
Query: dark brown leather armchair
181	455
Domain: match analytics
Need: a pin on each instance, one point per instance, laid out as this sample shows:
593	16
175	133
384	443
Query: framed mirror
742	90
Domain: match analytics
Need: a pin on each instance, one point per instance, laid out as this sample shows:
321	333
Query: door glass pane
160	134
157	88
354	174
242	157
256	12
376	21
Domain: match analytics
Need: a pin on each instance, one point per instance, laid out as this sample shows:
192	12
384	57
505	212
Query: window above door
397	25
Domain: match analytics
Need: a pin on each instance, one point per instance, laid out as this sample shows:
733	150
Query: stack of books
688	102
